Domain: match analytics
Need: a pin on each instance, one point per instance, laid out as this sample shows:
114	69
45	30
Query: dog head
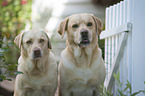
81	28
34	43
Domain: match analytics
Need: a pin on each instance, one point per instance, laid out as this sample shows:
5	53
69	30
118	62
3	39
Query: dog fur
37	63
81	69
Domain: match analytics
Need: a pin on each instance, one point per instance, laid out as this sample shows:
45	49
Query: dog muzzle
84	38
37	53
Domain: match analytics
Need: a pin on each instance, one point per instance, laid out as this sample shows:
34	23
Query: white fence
120	40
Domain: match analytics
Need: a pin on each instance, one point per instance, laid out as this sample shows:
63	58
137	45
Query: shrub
13	17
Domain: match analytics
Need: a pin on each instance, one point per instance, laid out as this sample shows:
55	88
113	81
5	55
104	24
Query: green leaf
9	79
120	92
12	73
4	77
3	60
108	93
125	88
1	79
128	85
134	94
18	72
117	77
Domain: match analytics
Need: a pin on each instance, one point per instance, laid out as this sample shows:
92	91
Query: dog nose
37	51
84	32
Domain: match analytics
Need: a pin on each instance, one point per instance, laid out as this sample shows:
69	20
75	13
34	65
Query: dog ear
98	24
18	40
63	27
49	42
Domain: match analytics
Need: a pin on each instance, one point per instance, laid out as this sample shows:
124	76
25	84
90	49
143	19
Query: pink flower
5	3
23	2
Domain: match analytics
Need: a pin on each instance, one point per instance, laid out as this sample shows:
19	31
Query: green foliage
117	78
102	45
13	17
5	64
105	92
127	91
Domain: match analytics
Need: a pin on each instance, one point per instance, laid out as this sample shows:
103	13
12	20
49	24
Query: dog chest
80	81
45	90
78	76
41	86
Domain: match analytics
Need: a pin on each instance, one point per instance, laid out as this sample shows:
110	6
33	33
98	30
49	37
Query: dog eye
41	40
29	42
75	26
89	24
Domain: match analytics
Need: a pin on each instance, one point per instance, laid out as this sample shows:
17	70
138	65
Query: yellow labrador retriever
37	63
81	69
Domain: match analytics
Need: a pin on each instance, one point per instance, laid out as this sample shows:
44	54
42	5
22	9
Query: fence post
138	45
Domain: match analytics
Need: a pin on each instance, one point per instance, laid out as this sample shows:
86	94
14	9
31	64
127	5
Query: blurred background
20	15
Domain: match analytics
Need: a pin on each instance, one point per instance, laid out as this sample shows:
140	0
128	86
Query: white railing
117	42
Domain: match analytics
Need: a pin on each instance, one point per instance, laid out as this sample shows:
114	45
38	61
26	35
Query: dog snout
84	32
37	53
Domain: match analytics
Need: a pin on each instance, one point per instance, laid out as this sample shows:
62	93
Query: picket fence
119	38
